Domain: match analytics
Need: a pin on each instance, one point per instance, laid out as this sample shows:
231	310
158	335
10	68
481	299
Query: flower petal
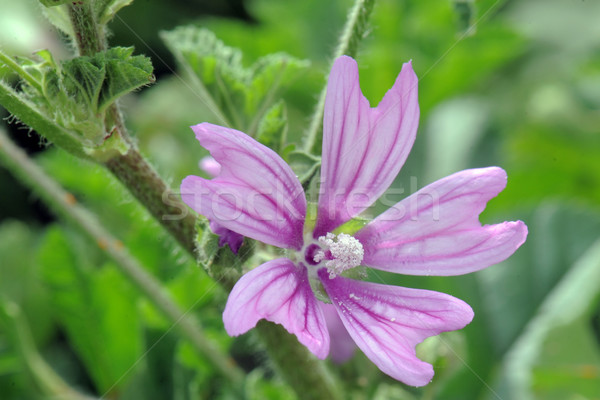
227	237
387	322
363	147
209	165
436	231
256	193
342	347
280	292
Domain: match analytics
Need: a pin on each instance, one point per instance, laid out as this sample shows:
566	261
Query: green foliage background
508	83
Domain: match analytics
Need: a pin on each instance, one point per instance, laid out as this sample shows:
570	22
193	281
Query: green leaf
237	95
304	165
106	9
67	104
19	274
29	113
272	130
96	307
59	17
557	356
125	73
465	13
106	76
84	80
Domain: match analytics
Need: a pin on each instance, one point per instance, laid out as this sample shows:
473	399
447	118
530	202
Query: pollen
342	252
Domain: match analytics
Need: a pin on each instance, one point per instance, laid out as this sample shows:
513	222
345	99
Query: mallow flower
435	231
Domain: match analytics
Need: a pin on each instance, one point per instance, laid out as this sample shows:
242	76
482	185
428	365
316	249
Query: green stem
354	31
138	176
26	76
89	36
62	203
301	370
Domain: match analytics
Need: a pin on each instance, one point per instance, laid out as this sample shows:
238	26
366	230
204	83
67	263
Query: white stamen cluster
347	252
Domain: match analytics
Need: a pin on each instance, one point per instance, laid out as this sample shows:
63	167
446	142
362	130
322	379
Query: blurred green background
508	83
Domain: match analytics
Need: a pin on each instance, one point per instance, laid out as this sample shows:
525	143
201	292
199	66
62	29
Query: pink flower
435	231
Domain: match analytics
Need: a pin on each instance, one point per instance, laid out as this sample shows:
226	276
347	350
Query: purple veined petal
363	147
341	347
436	231
227	237
387	322
280	292
256	194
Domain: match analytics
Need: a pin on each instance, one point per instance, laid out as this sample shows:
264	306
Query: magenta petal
227	237
278	291
436	231
387	322
342	347
363	147
256	193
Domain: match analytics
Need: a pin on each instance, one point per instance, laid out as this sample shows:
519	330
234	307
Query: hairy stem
301	370
62	203
89	36
138	176
354	31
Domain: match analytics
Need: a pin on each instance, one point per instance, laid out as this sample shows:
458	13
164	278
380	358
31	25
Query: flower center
342	252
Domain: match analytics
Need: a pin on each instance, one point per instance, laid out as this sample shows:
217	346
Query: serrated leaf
76	95
124	73
272	130
242	95
59	17
83	80
104	77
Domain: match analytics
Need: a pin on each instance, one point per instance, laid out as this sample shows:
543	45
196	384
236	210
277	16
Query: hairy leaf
238	95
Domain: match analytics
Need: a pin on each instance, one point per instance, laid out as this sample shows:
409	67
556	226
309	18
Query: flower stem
138	176
89	36
302	371
354	31
61	202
